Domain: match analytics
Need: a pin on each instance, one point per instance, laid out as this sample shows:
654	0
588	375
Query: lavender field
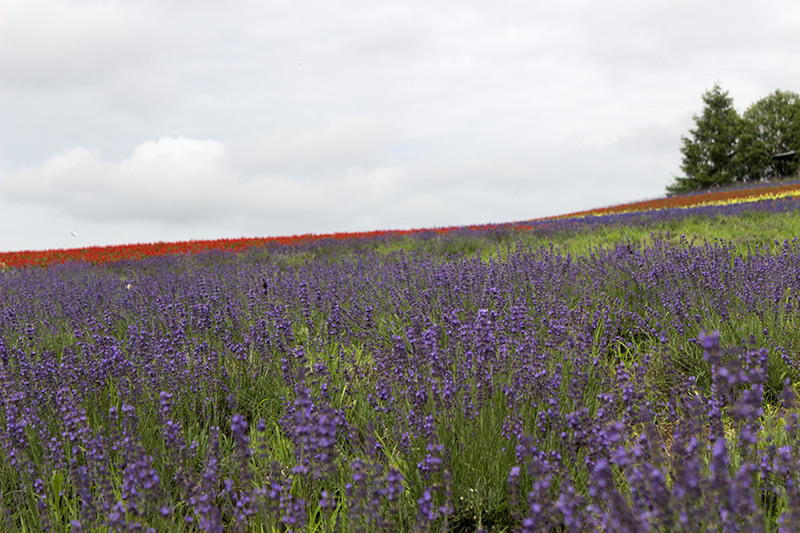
643	386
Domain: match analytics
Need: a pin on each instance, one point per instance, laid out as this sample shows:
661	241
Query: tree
771	126
708	156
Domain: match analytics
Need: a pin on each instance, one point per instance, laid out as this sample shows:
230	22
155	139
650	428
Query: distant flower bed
128	252
772	197
752	193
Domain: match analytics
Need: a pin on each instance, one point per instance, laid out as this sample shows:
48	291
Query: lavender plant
639	387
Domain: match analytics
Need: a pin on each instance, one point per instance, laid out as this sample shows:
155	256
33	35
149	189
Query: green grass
749	228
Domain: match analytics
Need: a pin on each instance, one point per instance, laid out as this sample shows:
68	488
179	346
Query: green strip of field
748	229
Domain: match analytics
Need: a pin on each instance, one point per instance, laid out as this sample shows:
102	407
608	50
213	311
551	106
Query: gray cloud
51	44
141	94
344	144
654	139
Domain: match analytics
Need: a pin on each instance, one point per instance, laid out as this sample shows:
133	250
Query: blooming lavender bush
634	388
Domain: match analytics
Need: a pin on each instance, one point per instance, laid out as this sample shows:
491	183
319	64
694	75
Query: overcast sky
139	121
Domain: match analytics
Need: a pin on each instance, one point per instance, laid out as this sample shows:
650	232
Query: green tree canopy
771	126
709	152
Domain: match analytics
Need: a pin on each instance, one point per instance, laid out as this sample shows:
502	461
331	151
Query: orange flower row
694	200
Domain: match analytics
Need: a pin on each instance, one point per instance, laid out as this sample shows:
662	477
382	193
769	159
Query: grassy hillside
746	231
624	371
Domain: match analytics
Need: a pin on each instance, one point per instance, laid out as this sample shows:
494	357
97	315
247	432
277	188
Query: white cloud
169	179
311	175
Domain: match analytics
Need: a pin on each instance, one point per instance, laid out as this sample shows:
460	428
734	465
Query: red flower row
105	254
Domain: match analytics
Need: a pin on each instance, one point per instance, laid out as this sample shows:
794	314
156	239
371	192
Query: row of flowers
106	254
708	198
129	252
